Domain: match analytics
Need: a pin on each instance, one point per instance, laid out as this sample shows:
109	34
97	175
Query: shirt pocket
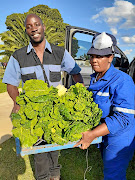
104	104
54	73
28	73
26	77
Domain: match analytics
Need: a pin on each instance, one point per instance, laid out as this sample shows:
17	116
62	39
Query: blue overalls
115	94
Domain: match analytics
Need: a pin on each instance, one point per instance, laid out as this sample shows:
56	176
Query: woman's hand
87	138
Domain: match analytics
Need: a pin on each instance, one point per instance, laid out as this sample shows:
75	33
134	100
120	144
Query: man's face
35	29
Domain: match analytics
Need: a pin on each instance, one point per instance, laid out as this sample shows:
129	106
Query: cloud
129	40
128	51
122	13
95	16
114	31
83	48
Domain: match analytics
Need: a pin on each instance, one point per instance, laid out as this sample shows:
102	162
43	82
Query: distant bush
3	87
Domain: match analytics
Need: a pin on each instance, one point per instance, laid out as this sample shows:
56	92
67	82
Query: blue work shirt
115	95
13	71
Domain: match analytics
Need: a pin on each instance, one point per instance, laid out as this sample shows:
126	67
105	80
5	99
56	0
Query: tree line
15	37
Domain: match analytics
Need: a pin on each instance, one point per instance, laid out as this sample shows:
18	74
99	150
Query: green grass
13	167
3	87
1	72
73	163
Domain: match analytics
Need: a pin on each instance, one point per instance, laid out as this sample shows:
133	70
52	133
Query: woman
114	91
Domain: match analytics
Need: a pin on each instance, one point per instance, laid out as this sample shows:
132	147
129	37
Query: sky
112	16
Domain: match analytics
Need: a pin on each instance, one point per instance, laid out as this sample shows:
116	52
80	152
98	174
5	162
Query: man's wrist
15	103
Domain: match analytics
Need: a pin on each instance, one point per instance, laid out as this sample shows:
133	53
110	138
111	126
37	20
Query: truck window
81	43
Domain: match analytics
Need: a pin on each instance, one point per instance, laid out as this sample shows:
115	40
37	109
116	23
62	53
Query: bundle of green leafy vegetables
59	119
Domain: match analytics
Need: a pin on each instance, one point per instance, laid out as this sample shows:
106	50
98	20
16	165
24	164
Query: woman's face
100	64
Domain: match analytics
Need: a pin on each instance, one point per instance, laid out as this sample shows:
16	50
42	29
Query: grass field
73	163
1	72
3	87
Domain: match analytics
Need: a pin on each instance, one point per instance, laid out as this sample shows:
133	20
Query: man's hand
87	138
15	108
78	78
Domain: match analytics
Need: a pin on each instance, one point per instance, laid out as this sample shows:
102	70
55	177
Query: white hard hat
103	44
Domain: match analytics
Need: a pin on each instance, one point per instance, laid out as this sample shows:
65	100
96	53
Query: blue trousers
116	152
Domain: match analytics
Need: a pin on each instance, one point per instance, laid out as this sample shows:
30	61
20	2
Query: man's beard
36	42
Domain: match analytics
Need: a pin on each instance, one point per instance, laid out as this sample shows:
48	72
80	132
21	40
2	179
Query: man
39	60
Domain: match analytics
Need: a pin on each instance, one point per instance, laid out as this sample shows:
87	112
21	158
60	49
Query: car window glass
81	43
116	60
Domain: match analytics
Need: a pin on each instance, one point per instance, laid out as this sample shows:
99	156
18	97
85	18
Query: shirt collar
107	74
47	46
